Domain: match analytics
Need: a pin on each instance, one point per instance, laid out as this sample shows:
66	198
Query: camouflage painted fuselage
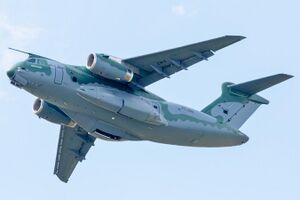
71	89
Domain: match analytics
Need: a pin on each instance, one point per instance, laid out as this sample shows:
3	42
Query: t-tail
239	101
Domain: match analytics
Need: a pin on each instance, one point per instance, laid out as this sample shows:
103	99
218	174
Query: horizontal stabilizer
255	86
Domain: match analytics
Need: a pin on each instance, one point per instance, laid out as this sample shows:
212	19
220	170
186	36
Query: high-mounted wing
28	53
153	67
73	145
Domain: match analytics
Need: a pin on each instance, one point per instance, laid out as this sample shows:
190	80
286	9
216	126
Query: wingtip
13	49
63	179
287	76
238	37
18	50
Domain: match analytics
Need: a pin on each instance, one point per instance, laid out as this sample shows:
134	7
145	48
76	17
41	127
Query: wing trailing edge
152	67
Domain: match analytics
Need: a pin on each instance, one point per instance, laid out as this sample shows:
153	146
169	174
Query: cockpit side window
41	62
32	60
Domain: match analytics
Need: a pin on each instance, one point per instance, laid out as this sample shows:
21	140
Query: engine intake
108	67
51	113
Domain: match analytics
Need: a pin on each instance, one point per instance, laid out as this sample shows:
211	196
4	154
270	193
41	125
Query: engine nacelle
51	113
108	67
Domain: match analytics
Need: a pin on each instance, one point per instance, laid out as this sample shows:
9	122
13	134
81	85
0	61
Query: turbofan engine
108	67
51	113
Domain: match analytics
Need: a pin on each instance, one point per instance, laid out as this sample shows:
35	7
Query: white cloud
182	10
14	35
179	10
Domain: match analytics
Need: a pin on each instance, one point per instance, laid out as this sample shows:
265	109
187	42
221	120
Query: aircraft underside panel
98	128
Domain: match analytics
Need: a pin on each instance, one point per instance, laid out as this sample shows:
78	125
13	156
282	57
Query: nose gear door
59	73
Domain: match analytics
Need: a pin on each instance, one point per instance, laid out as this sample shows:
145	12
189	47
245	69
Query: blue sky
267	167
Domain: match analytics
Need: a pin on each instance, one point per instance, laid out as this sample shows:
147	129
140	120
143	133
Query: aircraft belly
142	110
177	132
99	127
92	117
192	134
132	106
102	97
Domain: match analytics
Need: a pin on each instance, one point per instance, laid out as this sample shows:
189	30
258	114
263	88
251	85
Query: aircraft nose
11	72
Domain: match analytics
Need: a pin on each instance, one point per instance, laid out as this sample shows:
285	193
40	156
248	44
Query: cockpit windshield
32	60
37	61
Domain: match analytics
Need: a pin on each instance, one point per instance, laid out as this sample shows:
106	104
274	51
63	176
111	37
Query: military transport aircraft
107	99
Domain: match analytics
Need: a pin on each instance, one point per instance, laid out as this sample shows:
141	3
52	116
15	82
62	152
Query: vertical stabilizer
239	101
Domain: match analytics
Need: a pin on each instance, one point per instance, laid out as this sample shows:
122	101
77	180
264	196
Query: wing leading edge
73	145
153	67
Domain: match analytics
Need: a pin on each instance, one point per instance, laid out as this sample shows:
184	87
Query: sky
267	167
